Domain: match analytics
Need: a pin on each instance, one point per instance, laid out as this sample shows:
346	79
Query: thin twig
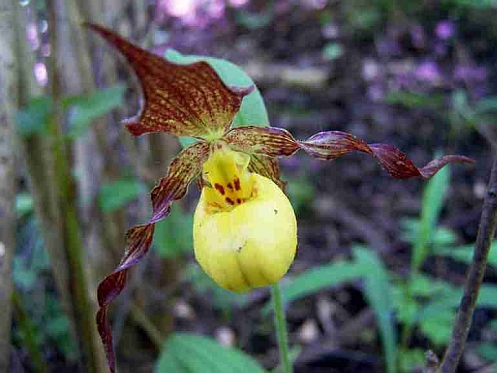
486	231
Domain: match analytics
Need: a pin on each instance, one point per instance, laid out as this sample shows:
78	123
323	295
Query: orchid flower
245	231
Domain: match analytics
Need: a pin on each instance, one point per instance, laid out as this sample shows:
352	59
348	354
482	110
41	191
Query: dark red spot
237	184
220	188
219	146
230	186
230	201
238	200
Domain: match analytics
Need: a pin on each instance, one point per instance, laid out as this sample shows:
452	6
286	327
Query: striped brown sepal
270	141
185	100
267	167
330	145
184	168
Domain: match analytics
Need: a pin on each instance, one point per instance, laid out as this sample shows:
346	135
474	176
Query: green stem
281	329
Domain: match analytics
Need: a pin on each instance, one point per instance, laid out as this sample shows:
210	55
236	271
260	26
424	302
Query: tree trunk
8	104
40	167
83	299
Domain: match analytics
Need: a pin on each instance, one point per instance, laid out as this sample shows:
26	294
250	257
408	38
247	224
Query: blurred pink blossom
445	30
238	3
198	13
32	36
314	4
179	8
428	72
40	71
215	8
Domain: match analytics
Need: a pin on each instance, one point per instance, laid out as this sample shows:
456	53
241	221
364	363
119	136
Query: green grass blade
433	198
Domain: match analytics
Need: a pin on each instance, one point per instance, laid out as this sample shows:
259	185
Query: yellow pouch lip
252	245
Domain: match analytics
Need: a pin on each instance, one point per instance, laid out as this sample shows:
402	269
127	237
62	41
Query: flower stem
281	328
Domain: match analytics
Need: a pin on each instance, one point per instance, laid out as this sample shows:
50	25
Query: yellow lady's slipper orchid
244	228
245	233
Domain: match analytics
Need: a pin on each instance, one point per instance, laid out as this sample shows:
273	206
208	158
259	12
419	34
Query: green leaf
167	363
487	296
477	4
414	100
486	105
493	325
438	327
411	360
380	298
186	353
422	286
57	328
256	20
86	109
23	277
321	277
252	112
488	351
118	193
449	300
433	197
464	254
301	192
318	278
173	235
332	51
221	299
406	308
24	204
34	118
423	297
441	236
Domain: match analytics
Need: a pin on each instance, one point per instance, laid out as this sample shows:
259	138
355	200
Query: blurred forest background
381	262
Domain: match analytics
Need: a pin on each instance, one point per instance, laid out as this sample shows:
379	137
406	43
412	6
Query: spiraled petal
435	165
270	141
183	169
330	145
185	100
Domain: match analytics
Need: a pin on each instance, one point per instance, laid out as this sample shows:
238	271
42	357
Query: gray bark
8	103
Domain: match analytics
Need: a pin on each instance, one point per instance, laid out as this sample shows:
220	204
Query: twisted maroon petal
432	167
333	144
185	167
185	100
330	145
